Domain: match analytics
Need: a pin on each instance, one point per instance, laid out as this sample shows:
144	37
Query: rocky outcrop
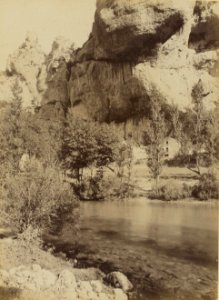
43	78
55	99
140	48
33	282
27	63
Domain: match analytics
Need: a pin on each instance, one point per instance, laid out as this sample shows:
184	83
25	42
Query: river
165	248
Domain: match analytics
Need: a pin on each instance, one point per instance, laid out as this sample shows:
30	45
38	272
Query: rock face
55	99
139	48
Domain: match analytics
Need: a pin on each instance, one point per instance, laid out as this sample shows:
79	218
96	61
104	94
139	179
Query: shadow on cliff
55	101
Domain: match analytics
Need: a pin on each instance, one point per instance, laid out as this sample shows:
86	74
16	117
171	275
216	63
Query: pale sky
47	18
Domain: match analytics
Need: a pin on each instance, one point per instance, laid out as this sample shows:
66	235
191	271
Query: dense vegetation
47	165
33	191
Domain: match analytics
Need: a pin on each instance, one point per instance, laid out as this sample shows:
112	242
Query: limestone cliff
138	47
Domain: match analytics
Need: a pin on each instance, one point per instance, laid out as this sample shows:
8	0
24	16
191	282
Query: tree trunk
157	180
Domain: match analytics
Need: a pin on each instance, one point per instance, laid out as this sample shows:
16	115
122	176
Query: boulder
118	280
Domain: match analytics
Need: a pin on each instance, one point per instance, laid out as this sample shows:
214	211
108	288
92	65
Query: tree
210	133
87	144
176	123
42	138
197	96
22	132
10	129
204	137
154	139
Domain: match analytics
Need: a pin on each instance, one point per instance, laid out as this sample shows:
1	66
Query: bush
182	160
207	188
103	187
37	197
171	191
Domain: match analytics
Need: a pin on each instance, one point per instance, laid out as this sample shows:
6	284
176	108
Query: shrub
115	188
171	191
181	160
207	188
37	197
103	187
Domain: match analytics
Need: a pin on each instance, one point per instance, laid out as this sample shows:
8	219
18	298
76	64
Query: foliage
37	197
154	138
41	138
207	188
111	182
172	190
23	132
10	140
88	144
30	237
183	159
198	133
200	125
112	188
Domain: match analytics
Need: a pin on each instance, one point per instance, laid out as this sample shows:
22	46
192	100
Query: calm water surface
162	225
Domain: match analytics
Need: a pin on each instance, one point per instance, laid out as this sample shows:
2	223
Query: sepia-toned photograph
109	149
